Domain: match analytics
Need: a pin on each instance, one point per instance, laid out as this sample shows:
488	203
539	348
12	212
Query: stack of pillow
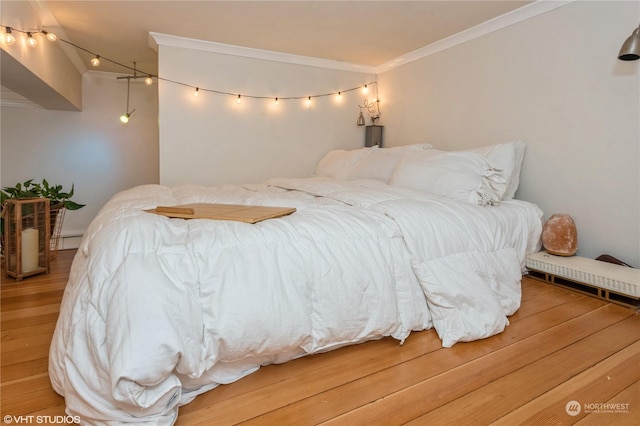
483	176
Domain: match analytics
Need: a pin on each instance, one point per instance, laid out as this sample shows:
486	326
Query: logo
573	408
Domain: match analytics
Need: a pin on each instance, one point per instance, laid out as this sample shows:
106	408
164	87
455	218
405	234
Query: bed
383	242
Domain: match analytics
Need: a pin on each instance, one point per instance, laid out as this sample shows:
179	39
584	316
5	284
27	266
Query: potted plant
55	193
59	201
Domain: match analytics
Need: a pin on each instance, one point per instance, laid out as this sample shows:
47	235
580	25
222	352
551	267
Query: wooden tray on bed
237	212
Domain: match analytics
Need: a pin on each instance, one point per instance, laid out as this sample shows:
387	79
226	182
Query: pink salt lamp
560	236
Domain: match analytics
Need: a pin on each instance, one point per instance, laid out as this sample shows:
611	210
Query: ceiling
360	32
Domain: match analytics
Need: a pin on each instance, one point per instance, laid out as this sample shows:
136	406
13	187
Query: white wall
90	149
45	75
554	81
210	139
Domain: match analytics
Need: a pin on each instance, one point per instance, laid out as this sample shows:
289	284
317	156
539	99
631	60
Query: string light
50	36
196	92
32	42
9	38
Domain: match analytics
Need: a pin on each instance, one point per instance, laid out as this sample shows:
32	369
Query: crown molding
159	39
510	18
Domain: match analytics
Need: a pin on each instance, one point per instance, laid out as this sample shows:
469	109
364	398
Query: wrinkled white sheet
158	310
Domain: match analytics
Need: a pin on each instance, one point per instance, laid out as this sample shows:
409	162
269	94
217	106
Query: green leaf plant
29	189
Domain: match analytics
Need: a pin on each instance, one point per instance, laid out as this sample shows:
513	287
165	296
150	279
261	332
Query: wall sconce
630	50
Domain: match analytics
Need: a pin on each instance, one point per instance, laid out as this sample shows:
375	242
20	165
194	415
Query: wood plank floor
561	347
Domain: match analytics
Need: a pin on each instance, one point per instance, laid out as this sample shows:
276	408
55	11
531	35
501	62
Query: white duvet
159	310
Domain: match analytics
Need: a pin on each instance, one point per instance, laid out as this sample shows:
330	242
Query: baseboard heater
615	283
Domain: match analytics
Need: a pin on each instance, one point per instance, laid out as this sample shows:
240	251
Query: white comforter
158	310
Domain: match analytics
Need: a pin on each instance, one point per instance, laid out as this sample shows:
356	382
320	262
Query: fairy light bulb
50	36
148	81
196	92
9	38
95	61
239	99
31	42
309	101
365	89
339	95
275	102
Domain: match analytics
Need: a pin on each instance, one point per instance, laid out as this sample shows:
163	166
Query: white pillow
462	176
380	162
339	163
508	158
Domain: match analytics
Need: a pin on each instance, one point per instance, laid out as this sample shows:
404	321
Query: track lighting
31	42
9	38
124	118
95	61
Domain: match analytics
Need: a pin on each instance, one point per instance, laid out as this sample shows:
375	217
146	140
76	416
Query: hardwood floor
561	346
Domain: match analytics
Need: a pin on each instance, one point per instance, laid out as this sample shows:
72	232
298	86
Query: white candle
29	250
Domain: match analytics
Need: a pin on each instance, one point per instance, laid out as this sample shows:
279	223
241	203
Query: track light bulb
95	61
9	38
31	42
148	81
125	117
